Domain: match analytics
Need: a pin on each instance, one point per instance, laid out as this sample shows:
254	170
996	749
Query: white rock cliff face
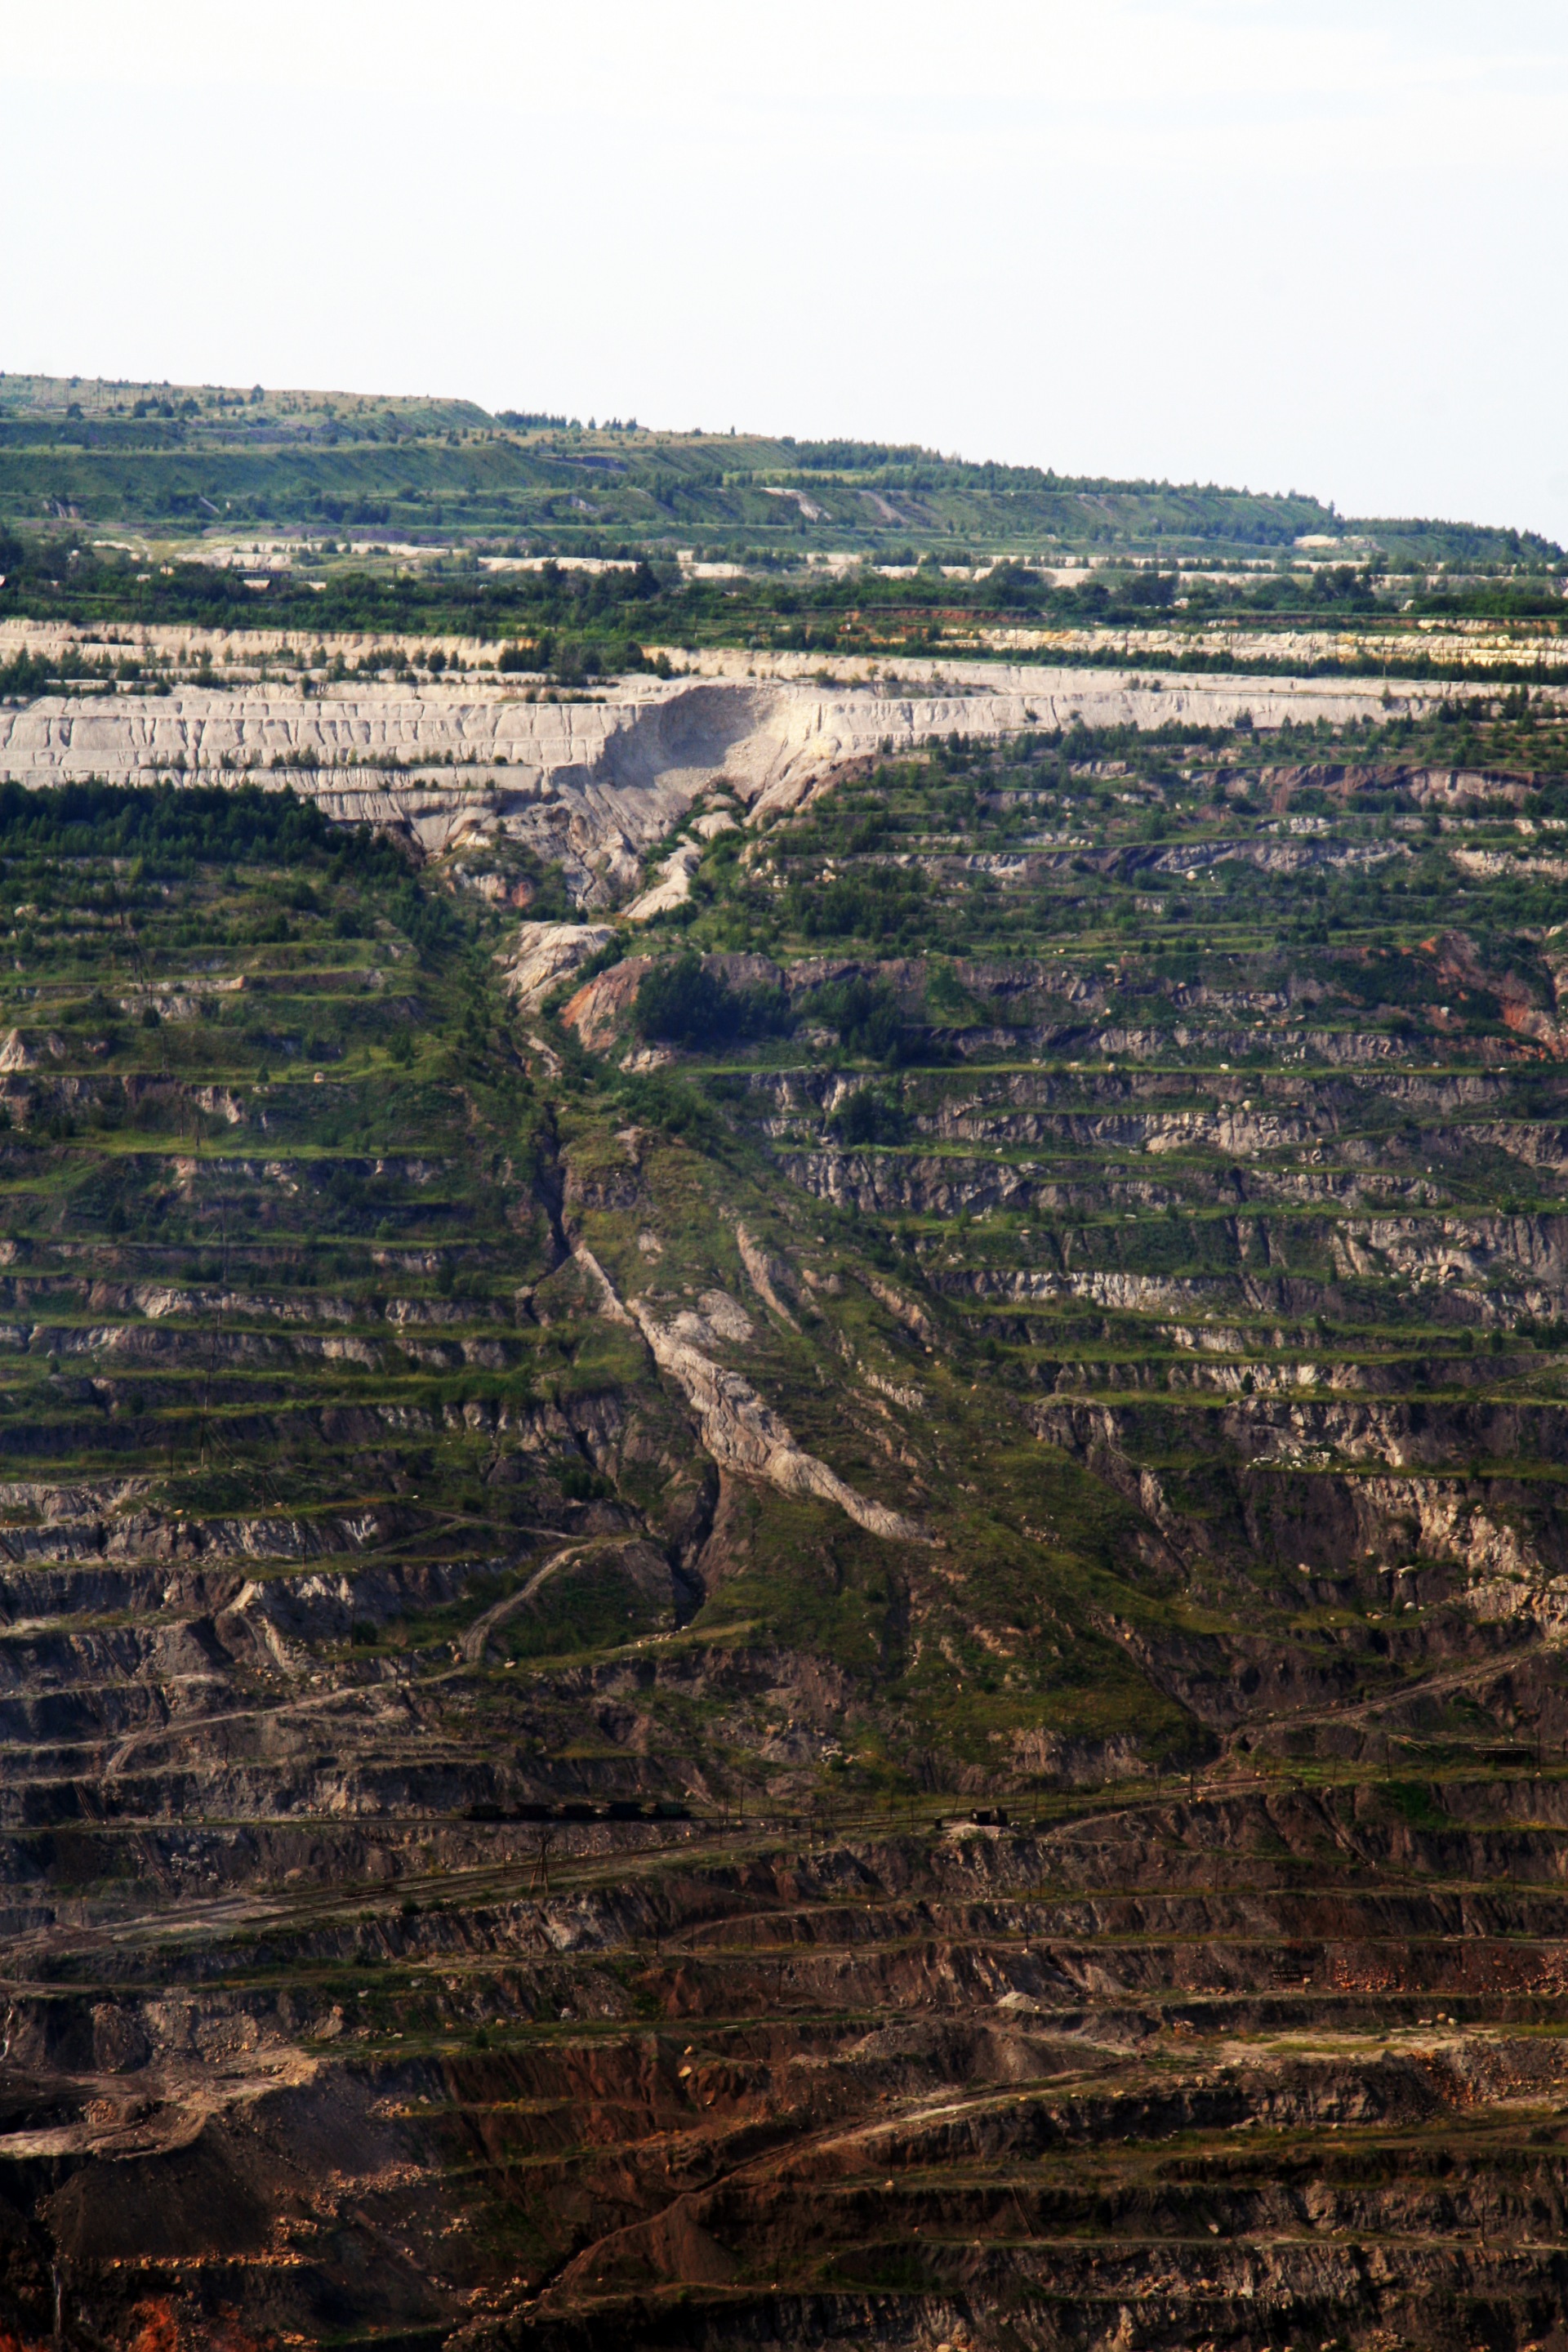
595	785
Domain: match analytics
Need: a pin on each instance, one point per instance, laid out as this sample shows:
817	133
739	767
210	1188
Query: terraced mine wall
865	1649
589	784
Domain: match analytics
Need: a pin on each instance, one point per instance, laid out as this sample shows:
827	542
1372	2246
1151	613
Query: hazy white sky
1289	242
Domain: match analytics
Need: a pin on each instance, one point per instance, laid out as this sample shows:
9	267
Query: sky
1287	243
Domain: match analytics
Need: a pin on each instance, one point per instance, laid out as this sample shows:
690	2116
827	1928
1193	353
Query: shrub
867	1017
655	1098
682	1003
869	1116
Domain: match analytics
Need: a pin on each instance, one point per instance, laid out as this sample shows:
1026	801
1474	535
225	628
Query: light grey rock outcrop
742	1432
593	785
547	954
745	1434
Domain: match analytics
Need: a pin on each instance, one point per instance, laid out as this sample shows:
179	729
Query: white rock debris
739	1430
767	1273
717	1319
547	954
676	873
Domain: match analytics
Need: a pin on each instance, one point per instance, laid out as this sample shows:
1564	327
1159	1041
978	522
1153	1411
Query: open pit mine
783	1554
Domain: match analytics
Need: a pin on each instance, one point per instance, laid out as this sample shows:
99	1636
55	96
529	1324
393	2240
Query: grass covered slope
156	458
852	1634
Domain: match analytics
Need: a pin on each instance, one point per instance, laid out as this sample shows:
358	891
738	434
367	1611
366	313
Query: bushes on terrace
869	1116
867	1016
428	921
161	823
680	1003
655	1098
876	902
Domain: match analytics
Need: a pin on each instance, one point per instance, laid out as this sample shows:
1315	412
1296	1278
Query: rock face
593	785
548	953
601	1007
671	885
742	1433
